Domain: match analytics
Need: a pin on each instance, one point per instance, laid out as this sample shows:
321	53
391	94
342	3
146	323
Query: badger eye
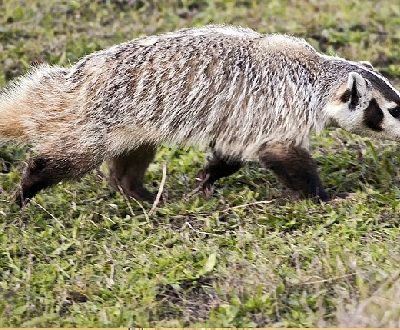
395	112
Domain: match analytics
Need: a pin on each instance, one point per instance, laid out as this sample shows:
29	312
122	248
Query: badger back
234	87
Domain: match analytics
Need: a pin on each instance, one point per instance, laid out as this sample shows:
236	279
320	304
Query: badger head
366	103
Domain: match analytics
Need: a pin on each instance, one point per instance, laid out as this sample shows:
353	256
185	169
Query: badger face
367	104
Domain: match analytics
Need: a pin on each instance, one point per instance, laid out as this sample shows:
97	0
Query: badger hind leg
217	167
45	170
127	172
294	167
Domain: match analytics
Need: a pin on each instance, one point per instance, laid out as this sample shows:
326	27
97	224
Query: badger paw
140	193
204	186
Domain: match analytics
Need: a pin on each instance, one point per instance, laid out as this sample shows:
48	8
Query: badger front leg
216	168
295	167
127	172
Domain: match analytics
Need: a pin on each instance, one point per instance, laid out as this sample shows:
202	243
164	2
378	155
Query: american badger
246	95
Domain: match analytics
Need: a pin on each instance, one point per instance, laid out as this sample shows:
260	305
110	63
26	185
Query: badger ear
367	65
355	90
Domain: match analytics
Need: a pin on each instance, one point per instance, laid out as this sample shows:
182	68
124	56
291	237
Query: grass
254	255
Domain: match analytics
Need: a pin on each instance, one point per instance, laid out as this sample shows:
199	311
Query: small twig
50	214
110	279
160	189
199	231
143	209
130	206
331	279
126	200
245	205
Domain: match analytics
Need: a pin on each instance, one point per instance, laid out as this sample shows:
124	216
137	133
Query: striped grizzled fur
246	95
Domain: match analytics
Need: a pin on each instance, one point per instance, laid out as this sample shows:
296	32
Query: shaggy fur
235	89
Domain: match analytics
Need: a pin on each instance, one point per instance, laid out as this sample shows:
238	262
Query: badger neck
334	72
299	88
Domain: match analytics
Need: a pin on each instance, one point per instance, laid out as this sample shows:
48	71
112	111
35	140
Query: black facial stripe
395	112
377	80
351	95
345	96
382	86
354	95
373	116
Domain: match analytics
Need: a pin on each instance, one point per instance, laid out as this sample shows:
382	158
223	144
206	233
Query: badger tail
26	102
11	122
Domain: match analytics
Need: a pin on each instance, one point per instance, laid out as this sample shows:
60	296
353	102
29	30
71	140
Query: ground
253	255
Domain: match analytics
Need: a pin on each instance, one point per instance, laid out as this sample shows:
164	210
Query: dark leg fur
45	171
217	167
127	171
295	167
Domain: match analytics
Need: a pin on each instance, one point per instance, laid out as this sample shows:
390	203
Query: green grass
254	255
